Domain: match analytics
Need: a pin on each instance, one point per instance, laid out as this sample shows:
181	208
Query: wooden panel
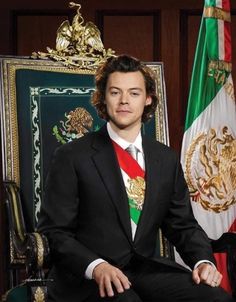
135	34
170	56
35	32
193	26
190	25
126	34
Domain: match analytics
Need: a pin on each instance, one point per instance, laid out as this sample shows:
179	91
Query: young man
102	208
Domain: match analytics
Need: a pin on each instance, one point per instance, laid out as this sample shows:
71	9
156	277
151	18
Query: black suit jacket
85	212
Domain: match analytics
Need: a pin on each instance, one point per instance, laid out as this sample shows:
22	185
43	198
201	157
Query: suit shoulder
161	147
76	145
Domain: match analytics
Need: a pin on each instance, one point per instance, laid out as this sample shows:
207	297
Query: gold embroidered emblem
78	122
136	191
211	170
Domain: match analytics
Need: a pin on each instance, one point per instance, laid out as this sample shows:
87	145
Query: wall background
163	30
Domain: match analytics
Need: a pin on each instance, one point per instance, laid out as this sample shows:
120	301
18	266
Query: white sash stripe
125	179
133	228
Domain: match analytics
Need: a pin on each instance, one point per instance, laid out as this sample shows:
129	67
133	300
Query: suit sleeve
59	215
180	226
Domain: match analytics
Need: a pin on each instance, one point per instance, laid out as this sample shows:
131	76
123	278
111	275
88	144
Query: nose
123	98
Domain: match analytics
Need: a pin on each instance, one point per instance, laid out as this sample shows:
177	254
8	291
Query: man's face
125	98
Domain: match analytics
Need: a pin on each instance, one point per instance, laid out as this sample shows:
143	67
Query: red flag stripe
233	227
227	41
227	32
221	263
224	33
226	5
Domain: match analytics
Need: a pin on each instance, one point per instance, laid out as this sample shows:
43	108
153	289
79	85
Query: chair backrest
43	105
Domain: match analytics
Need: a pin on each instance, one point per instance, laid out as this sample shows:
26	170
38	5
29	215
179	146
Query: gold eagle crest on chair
78	45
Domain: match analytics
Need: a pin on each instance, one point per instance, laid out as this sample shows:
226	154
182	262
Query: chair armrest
27	250
31	248
37	254
37	258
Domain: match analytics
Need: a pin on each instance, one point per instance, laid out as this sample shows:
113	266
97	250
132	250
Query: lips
123	111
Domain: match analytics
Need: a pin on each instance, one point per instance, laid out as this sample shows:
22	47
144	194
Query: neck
128	134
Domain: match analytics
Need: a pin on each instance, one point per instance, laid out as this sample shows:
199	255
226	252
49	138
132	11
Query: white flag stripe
219	3
221	40
216	224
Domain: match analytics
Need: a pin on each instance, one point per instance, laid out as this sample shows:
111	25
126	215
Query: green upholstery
17	294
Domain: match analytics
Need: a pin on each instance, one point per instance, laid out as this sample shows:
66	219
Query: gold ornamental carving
39	295
211	170
78	45
40	250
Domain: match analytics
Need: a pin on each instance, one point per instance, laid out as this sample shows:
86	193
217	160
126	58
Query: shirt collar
123	143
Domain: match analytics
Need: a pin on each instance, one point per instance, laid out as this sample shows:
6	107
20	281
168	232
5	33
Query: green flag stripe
204	88
212	38
210	2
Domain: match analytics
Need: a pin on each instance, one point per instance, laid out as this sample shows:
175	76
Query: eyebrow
132	88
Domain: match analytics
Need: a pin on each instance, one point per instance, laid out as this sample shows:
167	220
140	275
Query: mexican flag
208	153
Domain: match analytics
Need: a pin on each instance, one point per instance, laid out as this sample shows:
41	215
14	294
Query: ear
148	100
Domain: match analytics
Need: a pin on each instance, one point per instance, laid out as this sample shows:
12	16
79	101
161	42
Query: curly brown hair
123	63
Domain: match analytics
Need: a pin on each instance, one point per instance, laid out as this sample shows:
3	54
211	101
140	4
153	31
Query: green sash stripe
134	212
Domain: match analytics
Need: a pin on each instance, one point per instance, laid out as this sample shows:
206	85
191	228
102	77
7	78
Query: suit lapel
153	178
107	165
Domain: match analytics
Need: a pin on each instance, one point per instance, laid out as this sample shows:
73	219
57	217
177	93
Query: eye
134	93
114	92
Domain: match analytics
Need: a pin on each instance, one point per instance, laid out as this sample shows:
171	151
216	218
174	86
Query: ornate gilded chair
45	103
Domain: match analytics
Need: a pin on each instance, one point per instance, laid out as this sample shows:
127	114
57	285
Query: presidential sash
134	180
